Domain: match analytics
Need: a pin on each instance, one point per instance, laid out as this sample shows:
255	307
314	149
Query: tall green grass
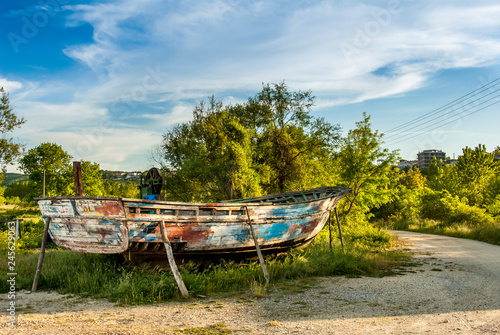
444	214
105	276
488	232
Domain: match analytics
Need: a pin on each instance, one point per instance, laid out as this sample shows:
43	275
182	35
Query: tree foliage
91	179
472	178
269	144
288	139
9	150
20	189
56	163
209	158
475	169
125	189
364	166
52	159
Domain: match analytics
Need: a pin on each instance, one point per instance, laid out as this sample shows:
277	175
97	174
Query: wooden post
340	231
42	254
171	261
77	175
259	253
330	228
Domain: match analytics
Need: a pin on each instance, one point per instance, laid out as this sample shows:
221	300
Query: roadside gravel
453	288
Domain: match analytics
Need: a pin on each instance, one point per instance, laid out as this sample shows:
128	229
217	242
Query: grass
488	232
218	328
109	277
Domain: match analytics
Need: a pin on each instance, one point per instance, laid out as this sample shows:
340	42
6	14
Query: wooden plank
340	231
90	235
171	261
259	253
42	254
330	228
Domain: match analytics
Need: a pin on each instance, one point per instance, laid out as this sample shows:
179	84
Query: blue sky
105	79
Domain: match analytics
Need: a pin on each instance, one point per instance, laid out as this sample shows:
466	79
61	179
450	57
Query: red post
77	175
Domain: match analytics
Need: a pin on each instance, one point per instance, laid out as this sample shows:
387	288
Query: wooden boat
133	227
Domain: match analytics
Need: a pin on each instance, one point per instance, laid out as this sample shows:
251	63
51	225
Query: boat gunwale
224	203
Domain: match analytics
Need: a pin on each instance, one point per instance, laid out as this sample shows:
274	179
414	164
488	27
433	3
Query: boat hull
132	226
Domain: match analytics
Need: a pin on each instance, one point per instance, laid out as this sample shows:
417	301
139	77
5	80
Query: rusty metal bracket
171	261
259	252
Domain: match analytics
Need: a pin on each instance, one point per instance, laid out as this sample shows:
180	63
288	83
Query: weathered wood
330	228
42	254
116	225
171	261
340	231
77	176
259	253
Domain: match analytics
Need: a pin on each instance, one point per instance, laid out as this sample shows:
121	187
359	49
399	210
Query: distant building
425	157
451	162
404	164
132	175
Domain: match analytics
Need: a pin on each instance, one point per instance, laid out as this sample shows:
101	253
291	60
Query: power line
446	106
419	126
446	123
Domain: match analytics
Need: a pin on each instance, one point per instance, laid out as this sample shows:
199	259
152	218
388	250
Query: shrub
450	209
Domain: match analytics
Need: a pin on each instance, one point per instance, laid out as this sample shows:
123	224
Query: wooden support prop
77	176
330	228
338	225
259	253
171	261
42	254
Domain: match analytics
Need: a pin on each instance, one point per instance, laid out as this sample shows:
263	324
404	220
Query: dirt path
454	288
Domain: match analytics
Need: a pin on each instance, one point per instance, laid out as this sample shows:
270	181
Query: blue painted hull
132	226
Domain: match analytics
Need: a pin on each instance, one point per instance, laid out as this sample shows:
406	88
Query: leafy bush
494	207
361	234
450	209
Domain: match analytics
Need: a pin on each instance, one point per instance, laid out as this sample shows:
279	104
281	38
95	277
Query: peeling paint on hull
119	225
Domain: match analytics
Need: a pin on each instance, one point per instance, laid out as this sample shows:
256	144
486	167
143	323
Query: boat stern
84	224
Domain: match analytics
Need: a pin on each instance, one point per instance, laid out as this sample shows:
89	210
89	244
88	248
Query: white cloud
10	86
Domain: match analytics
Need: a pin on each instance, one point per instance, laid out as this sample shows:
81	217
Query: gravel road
453	288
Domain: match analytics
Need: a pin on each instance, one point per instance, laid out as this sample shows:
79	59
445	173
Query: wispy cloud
150	62
33	10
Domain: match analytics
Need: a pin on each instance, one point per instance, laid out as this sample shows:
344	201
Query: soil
452	287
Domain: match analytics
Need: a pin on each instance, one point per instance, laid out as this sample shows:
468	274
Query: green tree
287	139
9	150
56	163
20	189
364	166
406	195
475	169
120	189
209	158
269	144
413	178
52	159
91	179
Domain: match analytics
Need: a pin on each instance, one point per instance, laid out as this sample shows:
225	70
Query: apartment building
425	157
